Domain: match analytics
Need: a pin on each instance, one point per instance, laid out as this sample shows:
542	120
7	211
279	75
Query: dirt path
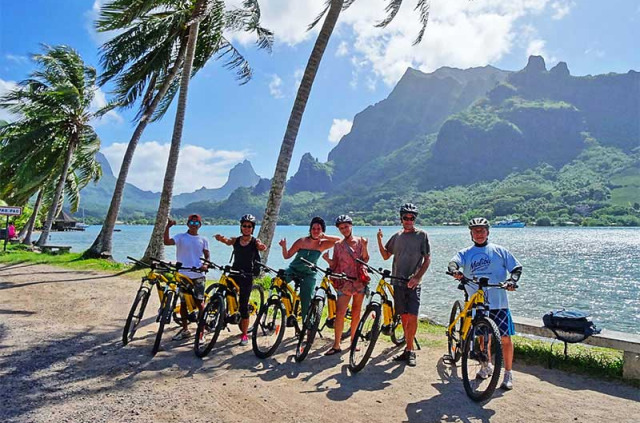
62	361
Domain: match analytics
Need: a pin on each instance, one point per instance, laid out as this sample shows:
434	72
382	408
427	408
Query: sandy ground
62	361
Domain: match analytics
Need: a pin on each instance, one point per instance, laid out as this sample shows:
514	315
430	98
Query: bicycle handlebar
483	282
385	273
327	271
152	266
176	267
224	269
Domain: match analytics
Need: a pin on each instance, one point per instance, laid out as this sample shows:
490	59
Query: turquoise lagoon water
592	269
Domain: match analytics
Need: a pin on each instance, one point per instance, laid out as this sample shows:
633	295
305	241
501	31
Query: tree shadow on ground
91	277
579	382
451	404
17	265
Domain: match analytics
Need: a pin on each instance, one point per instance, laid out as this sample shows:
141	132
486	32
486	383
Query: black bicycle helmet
248	218
408	208
319	220
343	218
477	222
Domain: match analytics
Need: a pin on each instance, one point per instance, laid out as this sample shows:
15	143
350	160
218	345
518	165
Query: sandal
333	351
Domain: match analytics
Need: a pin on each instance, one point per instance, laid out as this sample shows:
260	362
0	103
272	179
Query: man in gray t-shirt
411	258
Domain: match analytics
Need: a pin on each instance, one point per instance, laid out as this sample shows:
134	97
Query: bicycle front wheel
365	338
482	359
165	317
454	336
210	323
256	302
268	329
309	330
135	315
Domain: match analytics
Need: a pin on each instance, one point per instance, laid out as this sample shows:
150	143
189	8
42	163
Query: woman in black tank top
246	250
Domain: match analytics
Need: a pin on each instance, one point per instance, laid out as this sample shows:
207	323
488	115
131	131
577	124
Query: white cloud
595	52
5	87
90	17
343	49
275	86
288	19
297	77
99	101
17	59
460	33
561	8
197	166
339	128
536	47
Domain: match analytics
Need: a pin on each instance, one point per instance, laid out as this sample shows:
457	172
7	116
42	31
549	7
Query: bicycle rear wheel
165	317
256	302
135	315
397	331
309	329
454	337
482	348
268	329
365	338
210	323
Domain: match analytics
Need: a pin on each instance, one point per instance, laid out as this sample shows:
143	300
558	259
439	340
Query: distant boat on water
509	223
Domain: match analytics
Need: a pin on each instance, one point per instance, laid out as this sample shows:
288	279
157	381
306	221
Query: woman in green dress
310	248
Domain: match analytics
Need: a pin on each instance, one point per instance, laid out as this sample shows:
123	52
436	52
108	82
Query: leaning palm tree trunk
270	219
56	198
103	244
32	220
156	246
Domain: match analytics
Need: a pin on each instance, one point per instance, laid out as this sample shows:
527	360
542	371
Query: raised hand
379	234
171	223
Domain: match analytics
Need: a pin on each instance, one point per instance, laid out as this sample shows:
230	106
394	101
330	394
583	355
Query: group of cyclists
411	253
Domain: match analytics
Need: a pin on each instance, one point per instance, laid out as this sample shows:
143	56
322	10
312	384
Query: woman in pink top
345	253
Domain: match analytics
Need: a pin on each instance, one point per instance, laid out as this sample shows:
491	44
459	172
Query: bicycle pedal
447	359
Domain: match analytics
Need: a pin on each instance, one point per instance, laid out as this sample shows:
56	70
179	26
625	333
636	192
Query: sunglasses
409	218
194	222
246	226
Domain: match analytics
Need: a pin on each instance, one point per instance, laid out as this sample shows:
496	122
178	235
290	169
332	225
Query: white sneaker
485	372
183	334
507	383
244	340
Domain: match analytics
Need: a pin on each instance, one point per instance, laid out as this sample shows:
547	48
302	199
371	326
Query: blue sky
226	123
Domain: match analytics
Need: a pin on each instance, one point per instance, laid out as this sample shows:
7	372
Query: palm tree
146	58
332	11
54	105
29	167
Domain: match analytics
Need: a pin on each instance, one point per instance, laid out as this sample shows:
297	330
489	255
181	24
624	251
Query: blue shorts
502	319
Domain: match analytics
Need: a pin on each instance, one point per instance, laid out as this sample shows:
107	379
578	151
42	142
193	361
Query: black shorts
406	300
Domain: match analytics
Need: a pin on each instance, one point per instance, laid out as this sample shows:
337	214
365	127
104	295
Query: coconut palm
332	11
54	109
147	56
31	166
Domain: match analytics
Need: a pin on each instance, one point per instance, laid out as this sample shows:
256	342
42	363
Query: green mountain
140	206
540	145
241	175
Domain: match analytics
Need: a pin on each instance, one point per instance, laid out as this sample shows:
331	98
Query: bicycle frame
383	295
228	286
475	302
287	295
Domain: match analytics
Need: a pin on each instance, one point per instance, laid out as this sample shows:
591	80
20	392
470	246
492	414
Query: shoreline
528	348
